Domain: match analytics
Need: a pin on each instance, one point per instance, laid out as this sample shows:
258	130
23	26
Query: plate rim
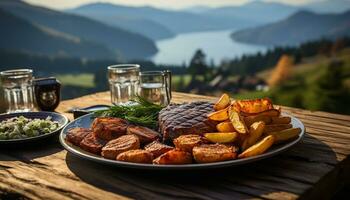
48	113
236	162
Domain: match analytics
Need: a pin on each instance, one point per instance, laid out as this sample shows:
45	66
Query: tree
198	65
282	70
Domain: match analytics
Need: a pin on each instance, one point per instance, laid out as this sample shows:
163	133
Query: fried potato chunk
124	143
207	153
225	127
76	135
255	132
92	144
174	157
136	156
285	135
271	113
187	142
254	106
220	115
258	148
276	127
157	148
237	120
145	134
221	137
223	102
109	128
256	118
281	120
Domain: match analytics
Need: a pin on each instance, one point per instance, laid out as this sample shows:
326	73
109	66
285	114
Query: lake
217	45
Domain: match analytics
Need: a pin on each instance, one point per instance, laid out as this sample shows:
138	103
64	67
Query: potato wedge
255	118
220	115
237	120
255	132
285	135
223	102
254	106
258	148
221	137
270	113
174	157
280	120
225	127
208	153
276	127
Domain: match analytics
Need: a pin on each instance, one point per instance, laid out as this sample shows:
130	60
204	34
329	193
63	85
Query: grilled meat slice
187	142
207	153
145	134
124	143
76	135
136	156
174	157
92	144
157	148
187	118
109	128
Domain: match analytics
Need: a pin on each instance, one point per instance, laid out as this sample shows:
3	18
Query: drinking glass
18	89
155	86
123	82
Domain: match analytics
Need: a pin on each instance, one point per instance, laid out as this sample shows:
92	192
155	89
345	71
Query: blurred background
296	52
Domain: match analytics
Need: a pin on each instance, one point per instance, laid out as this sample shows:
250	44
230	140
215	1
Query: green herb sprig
142	113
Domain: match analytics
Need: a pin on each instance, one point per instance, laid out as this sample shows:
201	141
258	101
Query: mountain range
21	35
300	27
121	42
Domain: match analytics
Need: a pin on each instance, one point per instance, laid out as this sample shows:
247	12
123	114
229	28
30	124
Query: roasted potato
255	118
237	120
187	142
174	157
207	153
124	143
157	148
223	102
258	148
220	115
225	127
280	120
271	113
221	137
285	135
276	127
136	156
254	106
255	132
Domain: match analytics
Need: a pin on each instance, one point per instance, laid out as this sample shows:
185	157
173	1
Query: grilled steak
76	135
109	128
124	143
92	144
145	134
187	118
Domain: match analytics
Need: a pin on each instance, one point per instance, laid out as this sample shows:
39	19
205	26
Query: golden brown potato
157	148
225	127
207	153
223	102
221	137
255	118
174	157
187	142
258	148
237	120
270	113
276	127
109	128
280	120
220	115
136	156
285	135
255	132
124	143
253	106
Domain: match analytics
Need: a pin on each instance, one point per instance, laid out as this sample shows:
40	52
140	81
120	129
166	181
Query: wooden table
313	169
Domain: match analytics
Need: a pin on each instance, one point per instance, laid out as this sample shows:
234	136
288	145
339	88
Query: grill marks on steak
188	118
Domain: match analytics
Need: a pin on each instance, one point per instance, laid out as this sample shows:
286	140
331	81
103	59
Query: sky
169	4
